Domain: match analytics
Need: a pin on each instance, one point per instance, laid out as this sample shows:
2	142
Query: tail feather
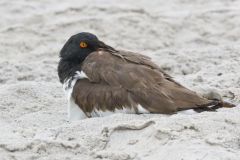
219	104
212	106
227	104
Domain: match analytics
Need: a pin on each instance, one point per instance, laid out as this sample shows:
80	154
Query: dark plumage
120	79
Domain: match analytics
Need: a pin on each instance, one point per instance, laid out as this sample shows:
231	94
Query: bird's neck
67	69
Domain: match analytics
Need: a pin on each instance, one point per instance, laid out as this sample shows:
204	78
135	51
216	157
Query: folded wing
128	79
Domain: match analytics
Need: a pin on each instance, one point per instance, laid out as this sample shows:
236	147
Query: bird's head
79	46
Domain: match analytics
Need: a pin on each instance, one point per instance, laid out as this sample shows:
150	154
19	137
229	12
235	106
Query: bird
99	80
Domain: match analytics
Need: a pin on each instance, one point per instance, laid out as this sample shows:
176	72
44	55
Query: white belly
74	112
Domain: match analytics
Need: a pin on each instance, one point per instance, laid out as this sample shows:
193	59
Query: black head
79	46
75	50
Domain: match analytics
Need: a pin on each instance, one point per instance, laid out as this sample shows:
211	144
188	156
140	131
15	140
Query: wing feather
144	60
141	80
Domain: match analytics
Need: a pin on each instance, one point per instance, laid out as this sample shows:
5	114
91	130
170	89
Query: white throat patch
80	75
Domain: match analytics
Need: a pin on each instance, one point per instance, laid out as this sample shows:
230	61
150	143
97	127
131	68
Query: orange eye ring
83	44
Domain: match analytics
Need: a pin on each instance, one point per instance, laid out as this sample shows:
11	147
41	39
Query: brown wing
144	60
138	79
101	96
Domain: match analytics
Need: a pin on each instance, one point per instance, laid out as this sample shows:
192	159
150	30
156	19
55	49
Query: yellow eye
83	44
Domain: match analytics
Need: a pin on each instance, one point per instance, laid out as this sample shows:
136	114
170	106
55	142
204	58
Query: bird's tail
214	105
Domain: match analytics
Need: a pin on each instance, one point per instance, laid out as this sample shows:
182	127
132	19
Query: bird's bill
102	45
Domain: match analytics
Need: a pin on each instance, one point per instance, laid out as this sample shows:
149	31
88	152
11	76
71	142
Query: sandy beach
195	41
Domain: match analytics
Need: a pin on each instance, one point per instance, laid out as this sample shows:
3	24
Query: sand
196	41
